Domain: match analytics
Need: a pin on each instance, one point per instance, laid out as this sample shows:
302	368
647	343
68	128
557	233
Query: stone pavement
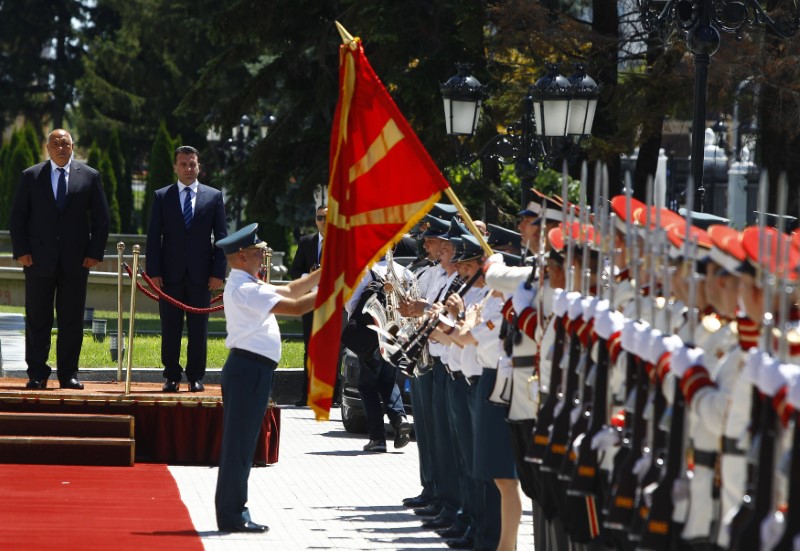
324	493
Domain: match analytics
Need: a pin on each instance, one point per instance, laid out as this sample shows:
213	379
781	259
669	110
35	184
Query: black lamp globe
463	95
551	103
583	105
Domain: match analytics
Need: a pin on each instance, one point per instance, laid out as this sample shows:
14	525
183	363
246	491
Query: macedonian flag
382	181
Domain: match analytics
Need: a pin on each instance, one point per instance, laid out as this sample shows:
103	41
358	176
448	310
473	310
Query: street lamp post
558	113
699	22
243	139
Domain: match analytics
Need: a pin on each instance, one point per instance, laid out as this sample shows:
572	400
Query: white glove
684	358
628	334
606	439
793	395
561	302
590	307
654	341
770	379
641	343
771	529
504	367
752	365
523	297
663	345
575	309
642	465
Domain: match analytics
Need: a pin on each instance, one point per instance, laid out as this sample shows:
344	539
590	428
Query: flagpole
468	221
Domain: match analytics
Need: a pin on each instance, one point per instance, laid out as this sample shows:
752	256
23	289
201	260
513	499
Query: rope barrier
159	294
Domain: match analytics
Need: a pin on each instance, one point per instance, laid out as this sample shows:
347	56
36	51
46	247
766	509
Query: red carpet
93	508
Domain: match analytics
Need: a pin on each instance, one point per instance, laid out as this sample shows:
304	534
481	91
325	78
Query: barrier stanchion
136	249
120	338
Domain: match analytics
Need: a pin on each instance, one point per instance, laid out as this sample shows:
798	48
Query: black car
353	417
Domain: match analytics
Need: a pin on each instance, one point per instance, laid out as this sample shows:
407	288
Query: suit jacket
52	237
177	254
306	255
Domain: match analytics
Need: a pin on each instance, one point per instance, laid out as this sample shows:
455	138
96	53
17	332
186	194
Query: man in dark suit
307	258
182	260
59	228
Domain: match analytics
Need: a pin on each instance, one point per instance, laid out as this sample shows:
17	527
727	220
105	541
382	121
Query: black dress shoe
36	384
415	502
437	522
72	384
171	386
195	386
465	542
428	511
454	532
402	433
251	527
375	446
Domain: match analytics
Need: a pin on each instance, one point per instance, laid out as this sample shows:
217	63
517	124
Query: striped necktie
187	208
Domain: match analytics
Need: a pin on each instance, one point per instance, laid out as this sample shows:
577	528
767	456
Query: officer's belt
258	358
706	459
730	446
523	361
457	375
474	379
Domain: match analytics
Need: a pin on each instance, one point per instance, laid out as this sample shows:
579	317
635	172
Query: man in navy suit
307	258
59	228
182	260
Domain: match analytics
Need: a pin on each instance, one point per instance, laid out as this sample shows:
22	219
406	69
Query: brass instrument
265	271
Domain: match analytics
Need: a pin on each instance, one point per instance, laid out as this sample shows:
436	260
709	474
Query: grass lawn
147	347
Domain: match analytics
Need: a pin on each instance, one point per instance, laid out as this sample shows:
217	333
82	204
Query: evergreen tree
93	156
124	191
21	158
106	168
34	143
159	172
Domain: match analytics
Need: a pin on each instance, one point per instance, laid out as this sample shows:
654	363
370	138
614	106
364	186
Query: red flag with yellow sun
382	182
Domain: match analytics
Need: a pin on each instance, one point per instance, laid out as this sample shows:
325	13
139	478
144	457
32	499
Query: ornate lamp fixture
558	113
698	23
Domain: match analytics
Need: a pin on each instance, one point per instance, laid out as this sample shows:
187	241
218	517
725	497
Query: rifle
660	532
792	516
747	528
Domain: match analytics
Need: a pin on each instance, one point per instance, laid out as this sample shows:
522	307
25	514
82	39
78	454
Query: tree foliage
160	172
18	157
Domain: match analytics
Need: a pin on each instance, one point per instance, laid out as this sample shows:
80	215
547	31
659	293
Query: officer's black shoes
170	386
196	386
414	502
428	511
249	527
453	532
375	446
465	542
402	433
72	384
437	523
36	384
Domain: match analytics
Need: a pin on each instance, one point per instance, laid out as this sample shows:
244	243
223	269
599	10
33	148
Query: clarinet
413	348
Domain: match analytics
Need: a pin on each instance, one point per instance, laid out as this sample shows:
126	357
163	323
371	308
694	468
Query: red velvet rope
159	294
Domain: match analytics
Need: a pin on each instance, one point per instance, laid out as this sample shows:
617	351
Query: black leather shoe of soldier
428	511
465	542
414	502
196	386
437	523
171	386
250	527
454	532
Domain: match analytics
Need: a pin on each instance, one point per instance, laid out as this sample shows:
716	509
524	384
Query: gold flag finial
347	38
